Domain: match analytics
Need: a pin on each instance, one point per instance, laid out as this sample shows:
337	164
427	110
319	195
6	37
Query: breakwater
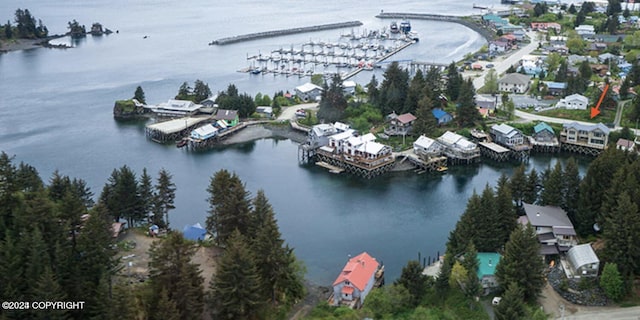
475	26
276	33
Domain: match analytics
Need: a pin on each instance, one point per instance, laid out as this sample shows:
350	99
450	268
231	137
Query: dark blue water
56	114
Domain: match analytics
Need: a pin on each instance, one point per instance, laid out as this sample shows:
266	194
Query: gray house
506	135
553	227
543	133
308	92
514	83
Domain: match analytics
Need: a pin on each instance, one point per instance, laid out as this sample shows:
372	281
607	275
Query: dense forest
56	244
25	26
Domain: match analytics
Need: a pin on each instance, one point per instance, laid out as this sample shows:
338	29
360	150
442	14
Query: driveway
289	113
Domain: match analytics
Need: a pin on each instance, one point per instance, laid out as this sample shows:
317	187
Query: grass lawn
605	116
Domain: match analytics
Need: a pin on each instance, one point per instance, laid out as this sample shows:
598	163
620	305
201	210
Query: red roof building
355	281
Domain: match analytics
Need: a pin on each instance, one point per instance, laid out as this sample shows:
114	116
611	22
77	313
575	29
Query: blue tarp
195	232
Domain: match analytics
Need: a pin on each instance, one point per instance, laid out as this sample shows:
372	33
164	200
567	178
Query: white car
496	301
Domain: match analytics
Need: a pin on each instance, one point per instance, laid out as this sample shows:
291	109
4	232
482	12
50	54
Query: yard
606	116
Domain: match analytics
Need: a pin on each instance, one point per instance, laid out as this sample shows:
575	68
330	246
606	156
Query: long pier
487	34
276	33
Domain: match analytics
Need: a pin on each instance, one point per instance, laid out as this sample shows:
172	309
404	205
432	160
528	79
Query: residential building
175	108
442	117
585	30
625	145
308	92
555	88
608	57
356	280
593	136
320	133
553	227
487	262
544	26
362	150
229	116
514	83
457	147
427	147
506	135
544	133
486	101
573	102
349	87
583	261
400	125
204	132
496	47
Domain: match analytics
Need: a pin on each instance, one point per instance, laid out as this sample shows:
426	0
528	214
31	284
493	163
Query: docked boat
393	28
413	36
442	169
405	26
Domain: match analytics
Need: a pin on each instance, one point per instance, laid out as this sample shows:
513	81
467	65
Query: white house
175	108
308	91
514	82
355	281
584	261
426	146
593	136
625	145
319	134
349	87
585	30
204	132
574	102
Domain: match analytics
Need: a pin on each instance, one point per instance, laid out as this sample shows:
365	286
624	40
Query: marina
353	53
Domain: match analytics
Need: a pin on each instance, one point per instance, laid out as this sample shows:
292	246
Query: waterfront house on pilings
359	155
583	138
318	137
458	149
544	139
230	117
426	148
511	138
175	108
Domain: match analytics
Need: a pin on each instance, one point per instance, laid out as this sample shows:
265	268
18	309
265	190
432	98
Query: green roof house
487	262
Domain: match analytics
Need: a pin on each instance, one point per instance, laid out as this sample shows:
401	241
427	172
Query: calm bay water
55	114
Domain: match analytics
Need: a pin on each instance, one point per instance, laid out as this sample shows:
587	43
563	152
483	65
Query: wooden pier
423	165
173	130
581	149
360	167
494	151
276	33
544	147
332	169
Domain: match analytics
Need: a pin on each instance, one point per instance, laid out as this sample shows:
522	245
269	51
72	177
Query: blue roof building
487	262
194	233
441	116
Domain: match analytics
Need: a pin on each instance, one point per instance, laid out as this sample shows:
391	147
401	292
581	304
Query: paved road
608	313
289	113
619	110
501	66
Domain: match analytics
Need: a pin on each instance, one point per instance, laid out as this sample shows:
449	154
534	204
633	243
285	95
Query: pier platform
494	151
172	130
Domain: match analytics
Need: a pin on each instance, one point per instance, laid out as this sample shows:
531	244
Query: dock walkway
276	33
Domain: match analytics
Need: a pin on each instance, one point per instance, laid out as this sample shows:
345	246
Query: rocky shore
26	44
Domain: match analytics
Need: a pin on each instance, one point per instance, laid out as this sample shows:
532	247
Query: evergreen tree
8	32
139	95
229	206
611	282
171	271
487	221
184	92
506	214
147	194
332	103
201	91
373	92
466	228
425	122
120	195
518	184
27	178
473	288
532	187
393	90
167	308
165	194
622	236
414	93
490	82
235	288
48	289
433	83
511	306
570	188
454	82
467	112
414	281
521	263
572	9
552	187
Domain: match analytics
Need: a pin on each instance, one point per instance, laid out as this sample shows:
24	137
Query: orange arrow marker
596	111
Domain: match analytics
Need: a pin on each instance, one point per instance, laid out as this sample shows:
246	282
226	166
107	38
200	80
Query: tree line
57	244
25	27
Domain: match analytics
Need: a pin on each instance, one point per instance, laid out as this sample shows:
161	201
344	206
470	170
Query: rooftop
546	216
487	262
358	271
541	127
515	78
586	127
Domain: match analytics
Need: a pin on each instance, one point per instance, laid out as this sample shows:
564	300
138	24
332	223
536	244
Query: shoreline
28	44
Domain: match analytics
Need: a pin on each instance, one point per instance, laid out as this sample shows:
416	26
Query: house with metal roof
457	147
442	117
204	132
425	146
573	102
626	145
507	135
593	136
355	281
542	132
583	260
320	133
308	91
555	88
175	108
229	116
514	83
487	262
553	227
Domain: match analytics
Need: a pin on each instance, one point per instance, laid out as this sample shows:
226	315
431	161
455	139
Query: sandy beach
20	44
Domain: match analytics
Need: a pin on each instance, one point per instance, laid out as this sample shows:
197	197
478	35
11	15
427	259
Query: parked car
496	301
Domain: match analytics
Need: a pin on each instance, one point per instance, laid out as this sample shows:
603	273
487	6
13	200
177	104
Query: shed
584	260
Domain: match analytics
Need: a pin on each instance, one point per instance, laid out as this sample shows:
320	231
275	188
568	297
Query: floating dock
332	169
276	33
